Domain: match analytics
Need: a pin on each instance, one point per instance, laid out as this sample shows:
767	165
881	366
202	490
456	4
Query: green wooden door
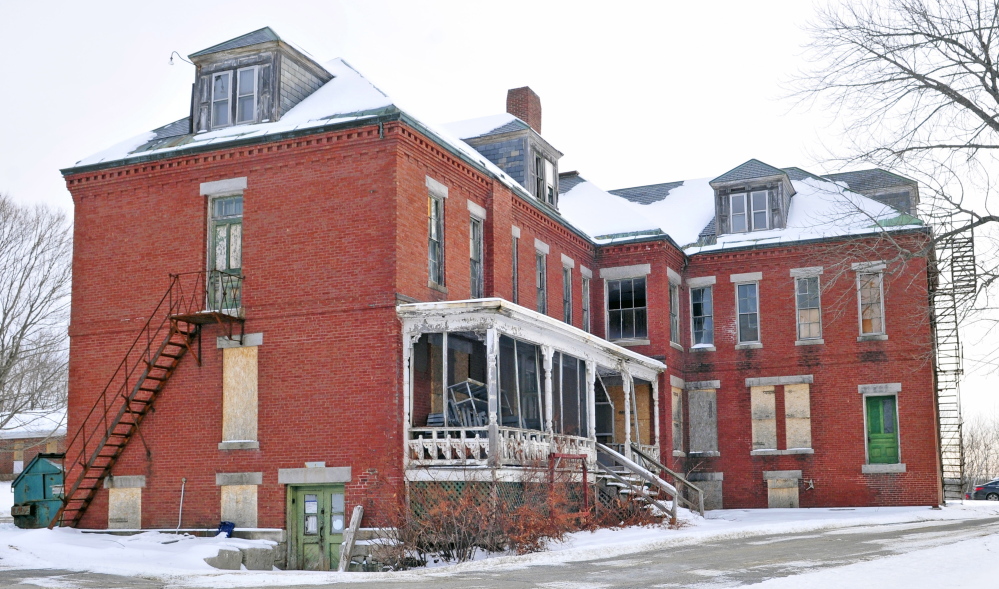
882	430
316	522
227	251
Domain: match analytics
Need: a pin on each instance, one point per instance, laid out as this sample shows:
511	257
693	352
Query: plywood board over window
125	508
798	416
239	505
703	412
764	414
239	394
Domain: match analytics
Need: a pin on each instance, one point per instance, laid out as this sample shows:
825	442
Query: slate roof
568	180
871	180
752	169
259	36
648	194
514	125
797	174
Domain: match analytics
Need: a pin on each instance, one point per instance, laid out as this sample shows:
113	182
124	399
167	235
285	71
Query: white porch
491	384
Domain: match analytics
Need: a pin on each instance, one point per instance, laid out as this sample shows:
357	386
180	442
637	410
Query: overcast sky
633	93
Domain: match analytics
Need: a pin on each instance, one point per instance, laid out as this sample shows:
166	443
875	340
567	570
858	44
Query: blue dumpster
38	491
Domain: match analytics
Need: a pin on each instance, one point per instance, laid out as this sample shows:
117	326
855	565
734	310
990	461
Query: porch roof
522	322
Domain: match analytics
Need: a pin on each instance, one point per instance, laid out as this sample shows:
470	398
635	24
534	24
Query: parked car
989	491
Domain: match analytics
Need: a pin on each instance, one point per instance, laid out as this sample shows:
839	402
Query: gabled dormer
513	142
254	78
751	197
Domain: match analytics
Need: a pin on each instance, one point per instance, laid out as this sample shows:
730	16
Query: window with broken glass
541	280
701	311
521	401
586	304
674	313
475	257
871	303
809	308
545	175
227	249
221	88
626	309
569	396
435	220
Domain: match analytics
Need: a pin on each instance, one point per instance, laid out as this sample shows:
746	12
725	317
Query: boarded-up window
798	416
703	413
677	420
764	413
239	394
125	508
239	505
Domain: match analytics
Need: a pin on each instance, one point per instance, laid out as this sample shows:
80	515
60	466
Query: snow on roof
480	126
34	424
819	209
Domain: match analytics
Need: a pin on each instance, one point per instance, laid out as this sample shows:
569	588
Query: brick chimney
524	104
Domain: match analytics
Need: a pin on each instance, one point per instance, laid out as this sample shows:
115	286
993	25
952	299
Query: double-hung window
221	89
626	309
809	308
586	304
516	269
246	95
475	257
749	312
544	171
227	251
749	212
674	313
567	294
541	280
759	209
701	312
871	299
435	231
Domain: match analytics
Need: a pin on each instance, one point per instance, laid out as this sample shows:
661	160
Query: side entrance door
316	522
882	430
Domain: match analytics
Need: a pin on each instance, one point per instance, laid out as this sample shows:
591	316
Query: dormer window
246	95
750	211
545	188
221	84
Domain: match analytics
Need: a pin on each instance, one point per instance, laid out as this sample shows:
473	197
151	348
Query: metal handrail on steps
642	473
677	477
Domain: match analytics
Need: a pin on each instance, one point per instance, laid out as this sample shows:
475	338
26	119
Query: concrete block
228	559
258	559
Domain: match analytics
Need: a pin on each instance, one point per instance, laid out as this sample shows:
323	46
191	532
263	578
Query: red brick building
321	249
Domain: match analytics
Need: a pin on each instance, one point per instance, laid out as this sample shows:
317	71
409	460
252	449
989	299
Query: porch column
655	412
492	393
628	387
408	339
548	354
591	400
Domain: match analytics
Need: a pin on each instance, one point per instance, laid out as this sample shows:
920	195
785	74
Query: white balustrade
440	446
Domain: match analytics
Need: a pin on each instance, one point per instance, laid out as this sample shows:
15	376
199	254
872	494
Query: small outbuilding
38	491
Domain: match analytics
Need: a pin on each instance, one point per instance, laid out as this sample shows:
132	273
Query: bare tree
914	86
35	263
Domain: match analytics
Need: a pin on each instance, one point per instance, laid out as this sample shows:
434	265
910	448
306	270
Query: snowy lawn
6	498
179	559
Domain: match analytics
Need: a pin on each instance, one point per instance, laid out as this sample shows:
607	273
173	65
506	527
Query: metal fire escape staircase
954	285
171	332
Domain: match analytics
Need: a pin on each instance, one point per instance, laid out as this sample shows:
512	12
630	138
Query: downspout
180	512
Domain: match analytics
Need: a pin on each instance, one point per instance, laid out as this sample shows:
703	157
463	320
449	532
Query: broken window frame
705	334
545	174
878	305
639	313
475	255
224	101
561	365
525	404
435	237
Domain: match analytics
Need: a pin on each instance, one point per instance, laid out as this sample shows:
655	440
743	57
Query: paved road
720	563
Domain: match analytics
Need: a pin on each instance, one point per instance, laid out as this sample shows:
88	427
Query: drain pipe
180	513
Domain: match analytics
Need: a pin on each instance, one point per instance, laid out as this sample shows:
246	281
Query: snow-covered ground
6	499
179	559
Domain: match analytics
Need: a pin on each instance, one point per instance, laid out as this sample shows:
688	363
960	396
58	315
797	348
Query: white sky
632	92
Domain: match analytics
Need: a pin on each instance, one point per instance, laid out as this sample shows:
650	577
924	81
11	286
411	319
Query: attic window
221	85
246	95
545	173
750	212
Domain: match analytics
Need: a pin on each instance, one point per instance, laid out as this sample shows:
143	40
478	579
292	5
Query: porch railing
469	446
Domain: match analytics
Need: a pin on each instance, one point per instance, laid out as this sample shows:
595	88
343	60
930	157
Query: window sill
702	348
787	452
239	445
676	346
876	337
678	454
631	342
810	342
749	346
882	468
437	287
704	454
